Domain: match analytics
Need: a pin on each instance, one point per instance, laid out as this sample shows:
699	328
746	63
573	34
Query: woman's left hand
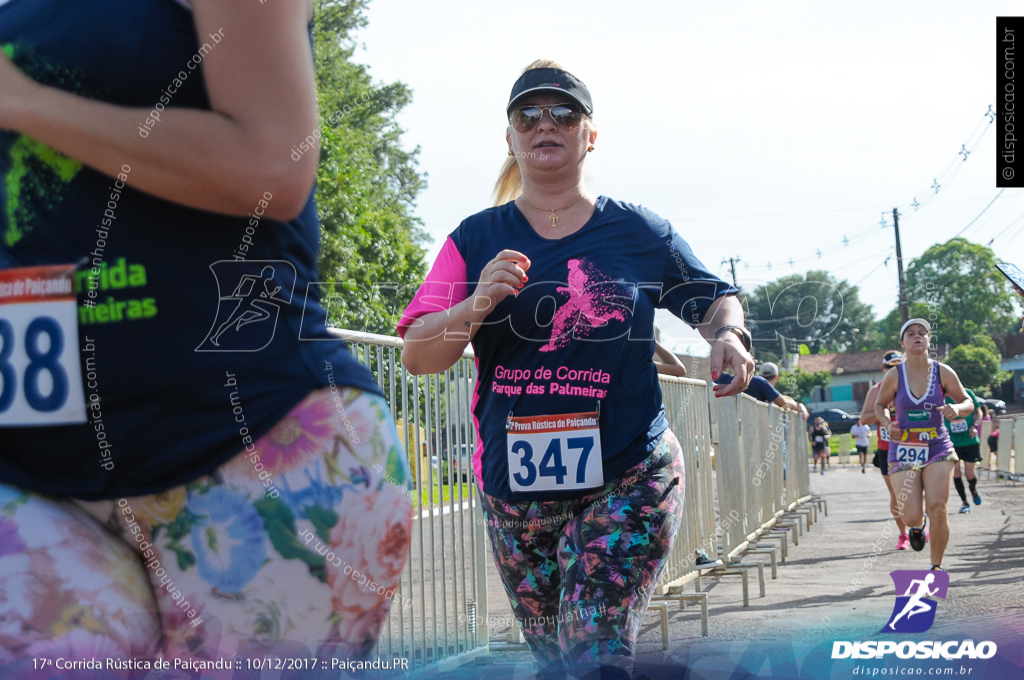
950	413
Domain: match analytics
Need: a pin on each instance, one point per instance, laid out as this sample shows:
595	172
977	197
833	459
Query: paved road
836	586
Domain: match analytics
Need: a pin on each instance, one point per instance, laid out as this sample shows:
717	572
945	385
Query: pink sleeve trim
444	287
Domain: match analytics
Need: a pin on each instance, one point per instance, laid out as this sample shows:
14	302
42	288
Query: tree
956	286
371	258
815	310
799	383
977	364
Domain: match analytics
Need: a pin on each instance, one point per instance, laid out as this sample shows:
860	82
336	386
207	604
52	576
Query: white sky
763	130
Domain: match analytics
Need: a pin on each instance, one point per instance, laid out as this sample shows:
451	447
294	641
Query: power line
1007	228
1013	238
981	213
943	180
851	264
745	216
884	262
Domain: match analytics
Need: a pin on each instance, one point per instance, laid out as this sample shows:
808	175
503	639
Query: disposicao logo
914	612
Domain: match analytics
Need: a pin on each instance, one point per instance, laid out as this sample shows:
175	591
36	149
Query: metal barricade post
440	609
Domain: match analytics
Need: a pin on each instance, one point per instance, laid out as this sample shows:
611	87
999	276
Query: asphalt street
836	586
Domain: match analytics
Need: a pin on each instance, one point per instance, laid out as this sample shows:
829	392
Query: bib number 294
555	453
913	454
40	373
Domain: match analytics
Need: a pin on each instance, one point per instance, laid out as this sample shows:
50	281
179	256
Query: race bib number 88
40	372
555	453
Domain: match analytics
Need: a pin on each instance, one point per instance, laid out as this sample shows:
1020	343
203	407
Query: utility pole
904	306
732	268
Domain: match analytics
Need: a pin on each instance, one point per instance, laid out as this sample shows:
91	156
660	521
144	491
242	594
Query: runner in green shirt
964	434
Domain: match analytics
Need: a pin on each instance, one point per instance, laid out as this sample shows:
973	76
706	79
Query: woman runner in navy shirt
556	289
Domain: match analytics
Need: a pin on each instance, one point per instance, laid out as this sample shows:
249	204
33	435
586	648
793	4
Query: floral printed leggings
580	574
259	557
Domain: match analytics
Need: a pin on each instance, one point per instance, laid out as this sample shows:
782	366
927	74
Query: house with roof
853	374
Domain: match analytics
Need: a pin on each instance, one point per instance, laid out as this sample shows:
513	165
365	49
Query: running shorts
970	453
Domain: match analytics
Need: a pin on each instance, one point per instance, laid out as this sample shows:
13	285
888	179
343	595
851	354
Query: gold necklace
553	217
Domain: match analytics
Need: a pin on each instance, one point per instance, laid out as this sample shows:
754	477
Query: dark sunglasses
525	118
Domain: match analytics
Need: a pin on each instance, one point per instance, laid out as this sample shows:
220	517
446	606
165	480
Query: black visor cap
540	80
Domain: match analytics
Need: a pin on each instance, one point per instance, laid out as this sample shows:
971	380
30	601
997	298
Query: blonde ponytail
510	182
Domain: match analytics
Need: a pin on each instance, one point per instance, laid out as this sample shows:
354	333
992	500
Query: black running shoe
936	567
916	539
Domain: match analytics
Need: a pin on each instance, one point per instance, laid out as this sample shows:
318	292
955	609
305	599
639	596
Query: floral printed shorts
580	574
290	551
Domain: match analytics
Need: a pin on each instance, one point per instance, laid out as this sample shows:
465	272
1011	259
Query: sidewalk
836	586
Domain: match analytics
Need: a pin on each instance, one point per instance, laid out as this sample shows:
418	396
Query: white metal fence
1011	434
746	466
441	603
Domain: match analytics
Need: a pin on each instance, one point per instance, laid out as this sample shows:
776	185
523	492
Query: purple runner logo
914	612
251	294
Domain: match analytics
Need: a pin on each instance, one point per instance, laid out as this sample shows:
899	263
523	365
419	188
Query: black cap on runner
891	358
551	80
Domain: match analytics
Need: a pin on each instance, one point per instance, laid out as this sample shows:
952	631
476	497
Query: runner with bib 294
921	455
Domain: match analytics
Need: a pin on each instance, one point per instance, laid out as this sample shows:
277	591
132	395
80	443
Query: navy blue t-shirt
759	388
193	316
579	336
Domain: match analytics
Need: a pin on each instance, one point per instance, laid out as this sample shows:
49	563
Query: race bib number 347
40	372
555	453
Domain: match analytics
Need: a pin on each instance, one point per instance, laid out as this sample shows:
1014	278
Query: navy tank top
185	317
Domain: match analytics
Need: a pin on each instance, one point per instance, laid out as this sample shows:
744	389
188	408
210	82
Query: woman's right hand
503	276
894	431
438	339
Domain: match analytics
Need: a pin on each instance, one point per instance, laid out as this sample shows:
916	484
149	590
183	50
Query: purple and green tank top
924	436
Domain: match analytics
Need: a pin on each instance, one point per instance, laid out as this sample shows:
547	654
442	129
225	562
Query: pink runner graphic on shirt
583	311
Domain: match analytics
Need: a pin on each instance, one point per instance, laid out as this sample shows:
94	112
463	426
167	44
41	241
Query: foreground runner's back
164	515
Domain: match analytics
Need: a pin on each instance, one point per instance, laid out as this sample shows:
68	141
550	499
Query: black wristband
740	331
